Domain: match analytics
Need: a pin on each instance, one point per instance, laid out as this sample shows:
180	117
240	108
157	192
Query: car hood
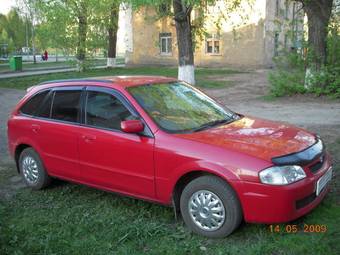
255	137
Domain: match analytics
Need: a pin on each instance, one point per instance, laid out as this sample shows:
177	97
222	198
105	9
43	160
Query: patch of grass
267	98
40	64
74	219
201	73
5	68
212	84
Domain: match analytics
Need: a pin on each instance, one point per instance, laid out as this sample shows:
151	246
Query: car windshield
179	108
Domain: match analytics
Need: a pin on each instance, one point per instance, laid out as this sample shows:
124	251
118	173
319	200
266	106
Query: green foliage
326	82
286	83
60	19
288	78
13	30
56	28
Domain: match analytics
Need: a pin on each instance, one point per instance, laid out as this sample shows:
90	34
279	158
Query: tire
32	169
222	203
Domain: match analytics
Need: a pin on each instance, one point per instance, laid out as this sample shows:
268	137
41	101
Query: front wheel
210	207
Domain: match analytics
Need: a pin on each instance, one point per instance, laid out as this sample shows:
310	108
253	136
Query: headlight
282	175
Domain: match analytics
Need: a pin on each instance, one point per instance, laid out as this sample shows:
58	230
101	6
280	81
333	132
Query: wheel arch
187	177
18	150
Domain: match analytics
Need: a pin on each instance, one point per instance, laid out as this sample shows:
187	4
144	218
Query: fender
168	185
29	142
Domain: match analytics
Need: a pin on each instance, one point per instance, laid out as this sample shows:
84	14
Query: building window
287	9
165	43
213	44
277	8
276	44
164	8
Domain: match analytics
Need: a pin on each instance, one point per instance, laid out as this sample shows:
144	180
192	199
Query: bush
284	83
326	82
288	76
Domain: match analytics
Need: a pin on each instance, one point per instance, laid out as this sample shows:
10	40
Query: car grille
314	168
305	201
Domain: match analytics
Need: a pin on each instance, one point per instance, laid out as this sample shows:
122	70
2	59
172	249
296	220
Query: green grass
204	76
40	64
5	68
73	219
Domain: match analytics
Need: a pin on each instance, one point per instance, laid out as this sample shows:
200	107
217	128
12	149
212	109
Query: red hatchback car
162	140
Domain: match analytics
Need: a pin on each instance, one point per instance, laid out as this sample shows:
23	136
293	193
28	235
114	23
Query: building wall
245	41
146	29
282	18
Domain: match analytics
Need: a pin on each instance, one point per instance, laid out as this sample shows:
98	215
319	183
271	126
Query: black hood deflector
301	158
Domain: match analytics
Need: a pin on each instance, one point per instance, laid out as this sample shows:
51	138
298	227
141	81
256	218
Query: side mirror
132	126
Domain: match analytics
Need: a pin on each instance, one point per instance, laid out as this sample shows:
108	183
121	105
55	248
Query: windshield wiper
213	123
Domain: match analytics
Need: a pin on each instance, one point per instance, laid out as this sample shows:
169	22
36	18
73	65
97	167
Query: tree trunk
82	32
186	70
112	34
33	44
318	14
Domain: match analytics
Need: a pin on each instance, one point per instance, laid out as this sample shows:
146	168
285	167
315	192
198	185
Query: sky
5	5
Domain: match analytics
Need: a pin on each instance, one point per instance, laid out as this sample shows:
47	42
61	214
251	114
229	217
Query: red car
162	140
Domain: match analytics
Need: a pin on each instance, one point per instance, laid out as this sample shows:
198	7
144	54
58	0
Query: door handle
35	128
89	138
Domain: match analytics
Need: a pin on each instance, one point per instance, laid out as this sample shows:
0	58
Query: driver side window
105	111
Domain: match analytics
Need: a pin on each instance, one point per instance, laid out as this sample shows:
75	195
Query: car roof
121	81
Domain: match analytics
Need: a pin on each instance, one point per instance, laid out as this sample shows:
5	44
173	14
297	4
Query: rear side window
66	106
45	109
34	103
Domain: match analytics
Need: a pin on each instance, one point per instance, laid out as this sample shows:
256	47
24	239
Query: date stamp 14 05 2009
291	228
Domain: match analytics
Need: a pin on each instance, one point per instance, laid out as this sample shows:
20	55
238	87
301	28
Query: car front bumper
264	203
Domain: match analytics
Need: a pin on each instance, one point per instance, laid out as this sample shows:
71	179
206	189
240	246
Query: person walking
45	55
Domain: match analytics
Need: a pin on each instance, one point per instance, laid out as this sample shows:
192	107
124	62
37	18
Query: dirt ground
246	96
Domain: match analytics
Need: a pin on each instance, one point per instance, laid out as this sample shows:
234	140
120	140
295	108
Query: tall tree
73	16
104	28
112	34
318	14
13	28
81	10
56	26
182	17
29	9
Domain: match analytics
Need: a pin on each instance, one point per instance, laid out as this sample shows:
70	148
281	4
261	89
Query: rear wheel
33	170
210	207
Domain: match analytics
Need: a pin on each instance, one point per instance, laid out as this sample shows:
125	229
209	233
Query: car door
56	129
110	158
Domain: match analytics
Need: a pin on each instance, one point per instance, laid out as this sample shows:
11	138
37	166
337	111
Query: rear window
66	106
34	103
